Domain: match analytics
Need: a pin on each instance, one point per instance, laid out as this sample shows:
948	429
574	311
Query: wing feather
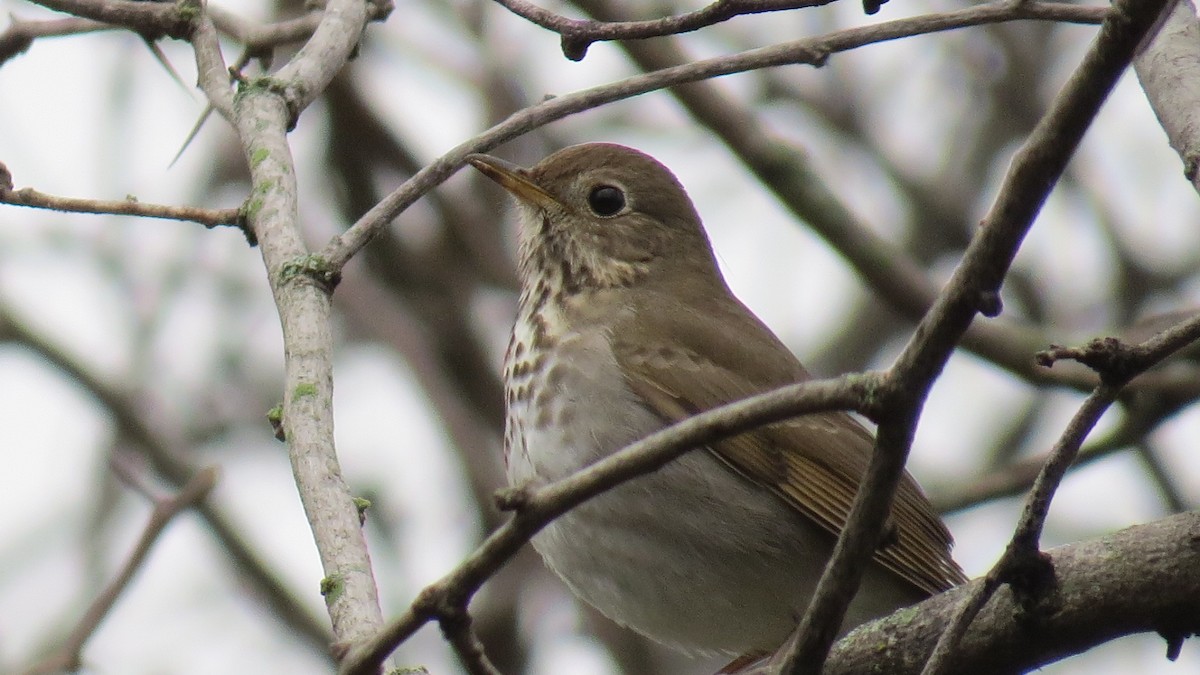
814	463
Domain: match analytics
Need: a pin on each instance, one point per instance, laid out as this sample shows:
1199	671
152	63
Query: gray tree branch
1141	579
1169	70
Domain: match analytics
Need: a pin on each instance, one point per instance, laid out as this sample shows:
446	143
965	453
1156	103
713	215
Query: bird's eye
606	201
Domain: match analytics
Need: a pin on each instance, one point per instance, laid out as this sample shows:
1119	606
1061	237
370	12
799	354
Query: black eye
606	200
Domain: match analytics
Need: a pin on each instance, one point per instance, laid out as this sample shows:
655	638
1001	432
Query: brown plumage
625	326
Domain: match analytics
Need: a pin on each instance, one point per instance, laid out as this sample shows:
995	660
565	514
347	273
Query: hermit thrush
625	325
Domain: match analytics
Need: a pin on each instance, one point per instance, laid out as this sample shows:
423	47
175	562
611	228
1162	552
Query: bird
625	325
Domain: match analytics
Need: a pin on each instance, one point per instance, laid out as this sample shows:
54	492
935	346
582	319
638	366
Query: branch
1165	480
1170	390
784	169
466	644
812	51
578	35
1169	71
1117	364
260	35
69	656
211	72
129	206
151	19
1022	565
168	461
309	73
301	284
1137	580
447	598
973	288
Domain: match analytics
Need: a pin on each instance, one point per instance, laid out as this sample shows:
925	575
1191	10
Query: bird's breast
567	402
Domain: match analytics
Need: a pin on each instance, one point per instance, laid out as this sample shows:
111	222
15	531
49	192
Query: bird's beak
515	179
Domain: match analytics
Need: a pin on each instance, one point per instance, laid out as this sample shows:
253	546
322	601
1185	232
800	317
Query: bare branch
534	509
1169	71
812	51
973	288
786	170
1104	588
306	75
263	112
169	461
260	35
1118	366
1022	564
21	34
578	35
1167	483
212	73
1019	476
1169	390
457	628
69	656
151	19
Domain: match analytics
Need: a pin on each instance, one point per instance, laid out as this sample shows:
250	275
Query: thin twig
456	626
1172	495
578	35
69	656
260	35
811	51
1105	588
1018	477
234	72
1020	558
1117	364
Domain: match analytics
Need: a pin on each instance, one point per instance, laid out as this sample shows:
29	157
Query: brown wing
685	365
